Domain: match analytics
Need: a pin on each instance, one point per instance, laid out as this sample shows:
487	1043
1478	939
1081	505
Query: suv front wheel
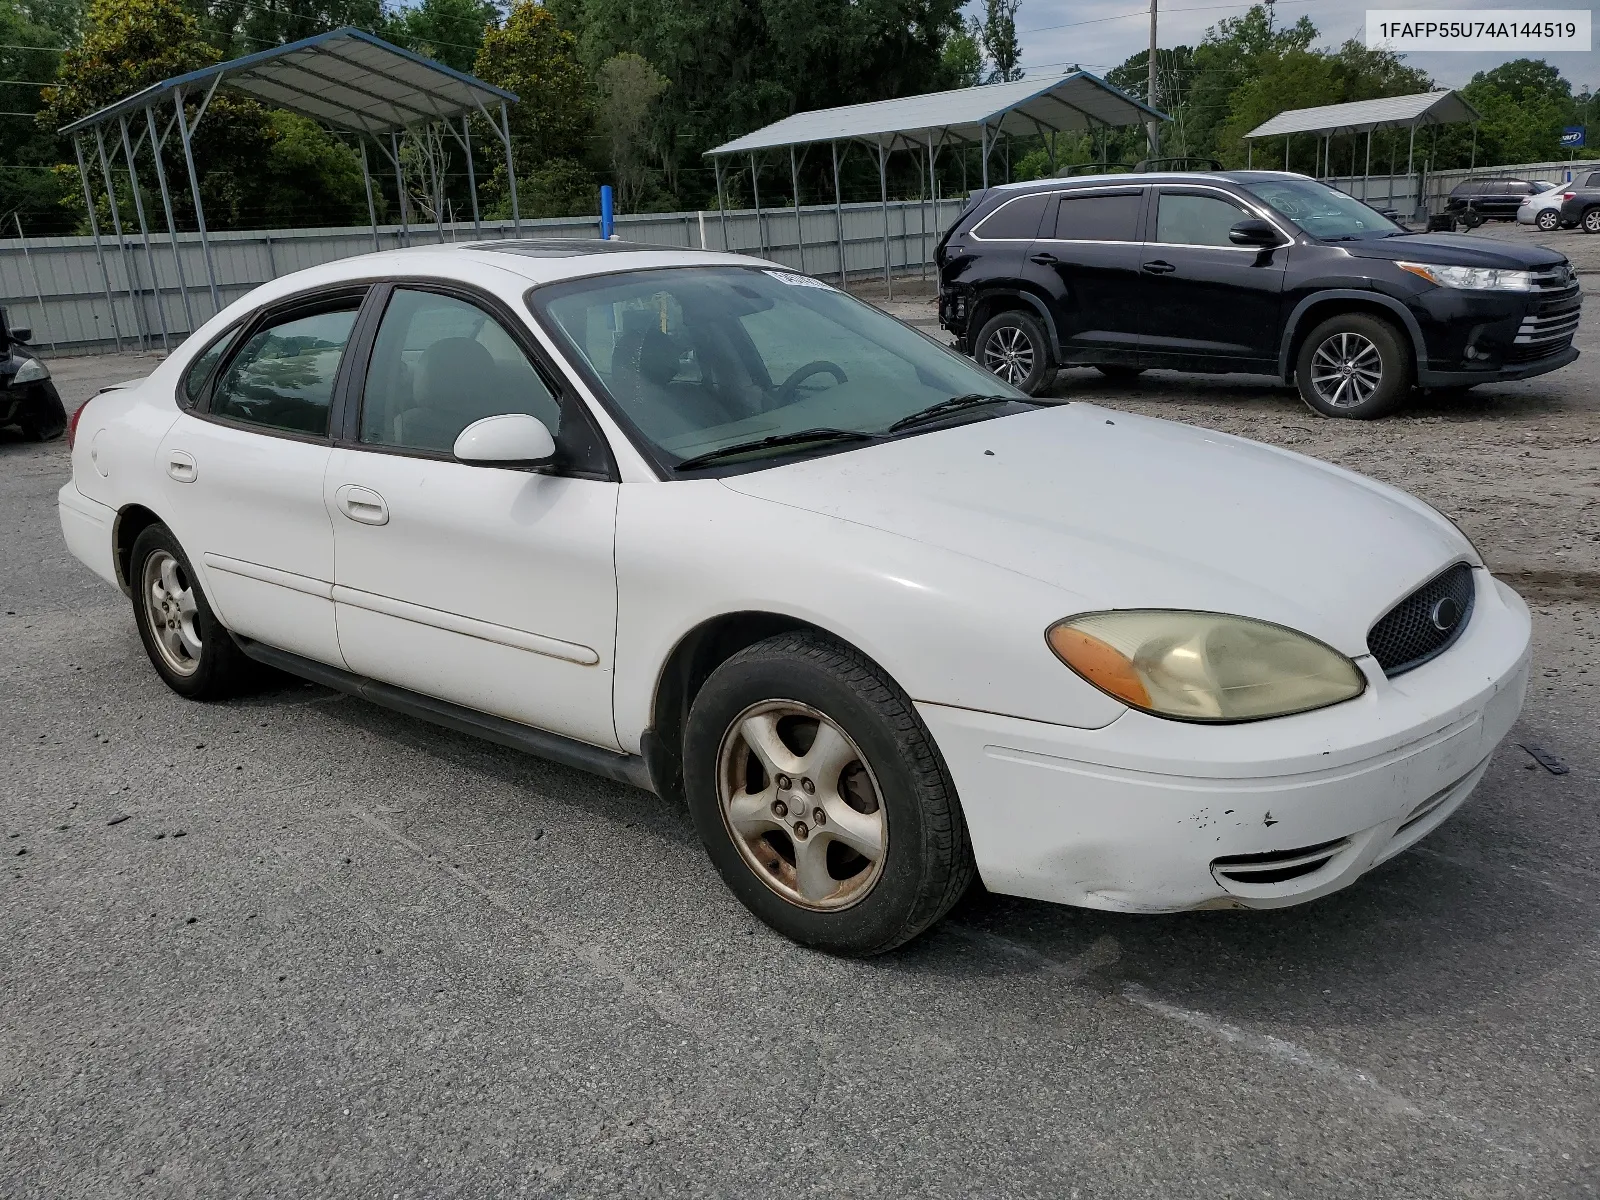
1014	346
1353	365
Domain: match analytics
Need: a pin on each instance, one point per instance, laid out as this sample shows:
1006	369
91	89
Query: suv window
438	365
283	377
1187	219
1016	219
1593	180
1098	217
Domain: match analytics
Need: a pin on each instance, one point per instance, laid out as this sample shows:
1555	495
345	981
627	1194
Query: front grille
1533	351
1277	866
1419	627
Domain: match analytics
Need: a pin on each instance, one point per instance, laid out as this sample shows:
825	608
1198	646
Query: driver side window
438	365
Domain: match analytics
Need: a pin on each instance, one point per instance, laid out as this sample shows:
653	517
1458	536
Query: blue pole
605	211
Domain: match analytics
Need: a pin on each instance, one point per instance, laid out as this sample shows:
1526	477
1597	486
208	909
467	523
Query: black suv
1474	201
1252	271
28	398
1580	204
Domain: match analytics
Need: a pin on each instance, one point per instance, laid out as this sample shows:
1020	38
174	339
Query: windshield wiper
956	404
712	457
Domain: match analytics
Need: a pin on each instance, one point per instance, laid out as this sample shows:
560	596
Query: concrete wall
56	285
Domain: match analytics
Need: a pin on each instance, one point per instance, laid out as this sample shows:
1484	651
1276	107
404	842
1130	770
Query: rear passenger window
1098	218
194	379
1594	180
283	377
1016	219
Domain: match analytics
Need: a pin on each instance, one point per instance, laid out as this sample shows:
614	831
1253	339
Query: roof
346	78
1363	116
1072	102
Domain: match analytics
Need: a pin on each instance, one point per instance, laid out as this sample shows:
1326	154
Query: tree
629	88
450	31
1000	39
962	56
29	34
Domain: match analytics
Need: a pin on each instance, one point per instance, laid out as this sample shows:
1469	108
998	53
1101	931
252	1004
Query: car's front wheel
1548	220
1354	365
1013	345
821	797
1590	223
188	646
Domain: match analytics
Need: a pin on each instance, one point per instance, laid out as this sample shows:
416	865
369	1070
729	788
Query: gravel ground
298	945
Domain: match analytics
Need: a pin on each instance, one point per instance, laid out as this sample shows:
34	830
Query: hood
1133	512
1456	250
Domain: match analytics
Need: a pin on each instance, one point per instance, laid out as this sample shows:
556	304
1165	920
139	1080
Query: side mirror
1253	232
509	440
23	335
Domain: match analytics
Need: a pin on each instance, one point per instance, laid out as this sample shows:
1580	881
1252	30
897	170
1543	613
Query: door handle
1044	258
180	465
362	504
1159	266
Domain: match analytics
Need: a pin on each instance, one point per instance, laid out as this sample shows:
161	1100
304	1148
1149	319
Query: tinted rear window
1098	218
1017	218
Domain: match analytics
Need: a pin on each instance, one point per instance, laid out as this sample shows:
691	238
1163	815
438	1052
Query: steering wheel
821	366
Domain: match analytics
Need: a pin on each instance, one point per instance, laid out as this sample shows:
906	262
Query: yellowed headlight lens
1197	666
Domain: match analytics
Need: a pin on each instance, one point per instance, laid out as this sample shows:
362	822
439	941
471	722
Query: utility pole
1153	126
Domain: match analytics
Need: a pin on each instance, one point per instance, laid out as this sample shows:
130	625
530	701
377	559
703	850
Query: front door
243	477
1211	304
490	587
1086	259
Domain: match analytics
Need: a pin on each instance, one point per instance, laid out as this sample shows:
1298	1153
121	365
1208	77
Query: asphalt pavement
296	945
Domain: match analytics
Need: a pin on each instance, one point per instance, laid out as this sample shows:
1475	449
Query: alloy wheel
1009	354
1548	220
172	612
802	805
1346	370
1591	221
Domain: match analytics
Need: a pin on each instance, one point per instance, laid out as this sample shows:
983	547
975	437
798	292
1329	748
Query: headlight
1197	666
1476	279
31	371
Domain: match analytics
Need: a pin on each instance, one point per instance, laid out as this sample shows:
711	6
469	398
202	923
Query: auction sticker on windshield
794	280
1404	30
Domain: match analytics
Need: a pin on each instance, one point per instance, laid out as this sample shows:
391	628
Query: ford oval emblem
1446	614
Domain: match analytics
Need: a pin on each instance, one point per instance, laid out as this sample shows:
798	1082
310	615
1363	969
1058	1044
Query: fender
1382	300
1036	303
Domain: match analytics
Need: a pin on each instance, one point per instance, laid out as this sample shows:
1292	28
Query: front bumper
1478	337
1147	815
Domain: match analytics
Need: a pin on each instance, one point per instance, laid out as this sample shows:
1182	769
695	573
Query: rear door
1086	260
1211	305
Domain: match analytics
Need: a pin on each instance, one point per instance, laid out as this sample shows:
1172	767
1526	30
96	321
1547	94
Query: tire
882	778
47	422
1376	351
195	656
1590	221
1471	220
1548	220
1119	371
1013	345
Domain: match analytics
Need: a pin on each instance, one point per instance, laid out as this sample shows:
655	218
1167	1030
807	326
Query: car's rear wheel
821	797
1548	220
1471	220
1118	371
1353	365
188	646
1590	222
1013	345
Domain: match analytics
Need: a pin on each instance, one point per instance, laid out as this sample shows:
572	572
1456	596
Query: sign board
1572	135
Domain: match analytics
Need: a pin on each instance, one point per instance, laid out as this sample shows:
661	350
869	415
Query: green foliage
629	90
999	32
962	56
27	152
449	31
534	57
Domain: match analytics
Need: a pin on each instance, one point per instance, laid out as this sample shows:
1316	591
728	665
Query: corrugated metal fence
1400	191
57	286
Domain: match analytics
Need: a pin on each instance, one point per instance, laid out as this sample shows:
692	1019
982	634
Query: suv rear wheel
1591	221
1013	345
1353	365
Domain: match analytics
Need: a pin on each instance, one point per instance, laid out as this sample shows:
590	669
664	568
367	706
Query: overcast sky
1099	34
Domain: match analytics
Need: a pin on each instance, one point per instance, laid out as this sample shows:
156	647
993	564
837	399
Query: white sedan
703	525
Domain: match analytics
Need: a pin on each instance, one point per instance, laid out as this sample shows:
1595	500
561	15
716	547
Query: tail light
1569	195
72	424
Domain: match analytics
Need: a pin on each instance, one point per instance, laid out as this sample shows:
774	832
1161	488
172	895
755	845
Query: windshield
700	359
1322	211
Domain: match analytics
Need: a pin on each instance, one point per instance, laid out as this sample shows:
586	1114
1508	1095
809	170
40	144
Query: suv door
242	473
1210	304
491	587
1086	260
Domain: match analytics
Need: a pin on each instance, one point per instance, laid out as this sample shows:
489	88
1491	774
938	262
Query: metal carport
1366	116
347	79
1076	102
